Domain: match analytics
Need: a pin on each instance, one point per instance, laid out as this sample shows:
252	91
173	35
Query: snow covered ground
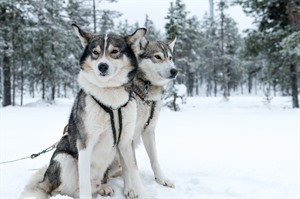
210	149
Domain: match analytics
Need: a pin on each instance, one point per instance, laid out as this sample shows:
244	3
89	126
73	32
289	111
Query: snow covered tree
98	14
277	21
192	53
210	40
78	13
232	45
209	57
106	24
152	32
176	27
39	52
124	28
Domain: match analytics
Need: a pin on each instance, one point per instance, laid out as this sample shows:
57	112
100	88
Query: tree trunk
197	84
225	86
22	76
293	69
22	84
43	83
174	101
65	90
174	98
242	88
13	70
94	15
250	83
14	81
215	81
53	93
6	82
294	85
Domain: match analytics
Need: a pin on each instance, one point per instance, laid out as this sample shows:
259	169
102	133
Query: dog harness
109	110
143	94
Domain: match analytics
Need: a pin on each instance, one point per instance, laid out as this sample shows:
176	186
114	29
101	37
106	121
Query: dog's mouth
163	77
104	74
166	78
172	76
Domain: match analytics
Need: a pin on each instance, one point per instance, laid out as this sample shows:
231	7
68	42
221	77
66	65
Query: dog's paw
165	182
131	194
105	190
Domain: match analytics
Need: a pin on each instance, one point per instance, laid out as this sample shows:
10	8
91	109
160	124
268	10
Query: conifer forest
39	53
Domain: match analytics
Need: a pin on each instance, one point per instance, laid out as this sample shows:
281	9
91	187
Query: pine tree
96	12
124	28
107	17
210	55
277	21
222	6
176	27
192	52
152	32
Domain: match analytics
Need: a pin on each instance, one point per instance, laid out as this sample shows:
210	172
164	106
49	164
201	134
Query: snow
180	89
210	149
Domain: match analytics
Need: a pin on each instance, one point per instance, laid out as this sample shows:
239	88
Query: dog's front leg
150	146
126	178
133	187
84	170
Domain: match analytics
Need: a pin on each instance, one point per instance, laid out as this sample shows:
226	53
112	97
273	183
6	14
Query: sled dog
156	69
101	123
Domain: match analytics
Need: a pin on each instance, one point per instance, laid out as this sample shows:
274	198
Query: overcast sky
135	10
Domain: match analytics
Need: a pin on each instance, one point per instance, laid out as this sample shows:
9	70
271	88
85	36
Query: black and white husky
156	69
102	123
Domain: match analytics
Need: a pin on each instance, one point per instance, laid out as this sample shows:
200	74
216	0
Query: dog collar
142	92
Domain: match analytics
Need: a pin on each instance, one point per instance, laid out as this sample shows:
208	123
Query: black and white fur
108	66
156	69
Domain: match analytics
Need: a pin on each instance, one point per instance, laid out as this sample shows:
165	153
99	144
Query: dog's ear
136	37
83	36
171	44
143	42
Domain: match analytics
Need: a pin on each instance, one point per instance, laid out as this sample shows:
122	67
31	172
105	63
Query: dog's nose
103	67
173	72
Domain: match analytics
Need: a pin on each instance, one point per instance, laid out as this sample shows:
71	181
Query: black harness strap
120	123
151	114
109	110
143	94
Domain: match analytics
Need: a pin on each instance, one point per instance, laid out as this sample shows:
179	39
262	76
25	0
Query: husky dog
101	123
156	69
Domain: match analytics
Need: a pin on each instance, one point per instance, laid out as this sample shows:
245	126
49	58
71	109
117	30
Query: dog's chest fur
98	127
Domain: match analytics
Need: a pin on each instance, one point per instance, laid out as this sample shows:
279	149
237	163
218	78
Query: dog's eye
115	51
96	53
170	57
158	57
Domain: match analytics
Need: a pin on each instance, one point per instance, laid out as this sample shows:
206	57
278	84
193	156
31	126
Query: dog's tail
33	190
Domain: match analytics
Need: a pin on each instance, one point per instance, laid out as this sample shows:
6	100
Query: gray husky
101	123
156	69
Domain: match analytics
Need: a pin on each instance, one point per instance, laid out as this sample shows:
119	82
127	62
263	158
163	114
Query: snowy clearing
210	149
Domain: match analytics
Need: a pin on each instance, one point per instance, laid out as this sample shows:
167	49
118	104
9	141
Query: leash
34	155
